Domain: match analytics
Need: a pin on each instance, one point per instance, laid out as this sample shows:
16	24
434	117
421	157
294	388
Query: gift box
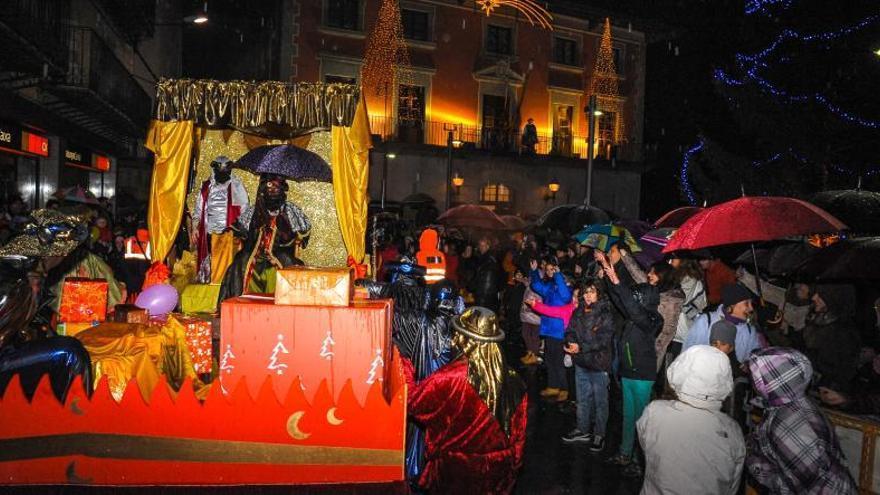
200	298
198	339
83	300
129	313
72	329
307	286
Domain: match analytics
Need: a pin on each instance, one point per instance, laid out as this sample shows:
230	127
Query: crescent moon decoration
331	417
532	11
293	426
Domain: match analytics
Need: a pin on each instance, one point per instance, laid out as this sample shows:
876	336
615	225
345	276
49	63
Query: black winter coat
484	284
593	332
638	357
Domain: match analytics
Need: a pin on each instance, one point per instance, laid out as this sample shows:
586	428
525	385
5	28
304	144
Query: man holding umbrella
736	307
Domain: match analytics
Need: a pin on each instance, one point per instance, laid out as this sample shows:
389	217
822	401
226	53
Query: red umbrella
752	219
677	217
76	194
513	222
471	216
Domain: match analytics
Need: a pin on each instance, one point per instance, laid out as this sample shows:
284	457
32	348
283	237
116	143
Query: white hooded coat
690	445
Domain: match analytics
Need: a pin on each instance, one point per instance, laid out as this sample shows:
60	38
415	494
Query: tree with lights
801	91
386	59
604	84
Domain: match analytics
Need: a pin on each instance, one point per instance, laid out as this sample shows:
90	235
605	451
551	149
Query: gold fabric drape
350	164
297	107
172	143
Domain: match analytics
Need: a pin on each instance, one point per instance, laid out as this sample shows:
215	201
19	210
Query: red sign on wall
34	143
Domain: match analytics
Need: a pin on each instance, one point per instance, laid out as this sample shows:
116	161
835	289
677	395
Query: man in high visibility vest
431	257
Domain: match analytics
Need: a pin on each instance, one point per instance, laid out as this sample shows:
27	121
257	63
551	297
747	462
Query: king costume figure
221	200
473	412
272	228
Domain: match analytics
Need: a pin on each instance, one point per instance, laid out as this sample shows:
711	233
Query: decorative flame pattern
174	438
533	12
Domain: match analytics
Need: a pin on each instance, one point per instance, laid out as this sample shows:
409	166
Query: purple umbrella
652	245
286	160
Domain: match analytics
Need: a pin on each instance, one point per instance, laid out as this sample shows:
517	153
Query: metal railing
94	66
493	139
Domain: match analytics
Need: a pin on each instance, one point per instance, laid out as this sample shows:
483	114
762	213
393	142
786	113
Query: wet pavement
551	466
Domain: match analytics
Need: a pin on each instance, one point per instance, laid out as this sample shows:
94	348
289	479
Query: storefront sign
18	140
83	158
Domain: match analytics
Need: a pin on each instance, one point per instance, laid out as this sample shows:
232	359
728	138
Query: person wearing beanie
637	356
736	307
690	445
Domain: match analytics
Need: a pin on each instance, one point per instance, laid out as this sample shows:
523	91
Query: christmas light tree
386	59
604	82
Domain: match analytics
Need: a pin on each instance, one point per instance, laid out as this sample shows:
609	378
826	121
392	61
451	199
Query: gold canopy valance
285	108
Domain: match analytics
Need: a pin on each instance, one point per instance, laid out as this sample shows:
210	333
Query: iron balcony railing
494	139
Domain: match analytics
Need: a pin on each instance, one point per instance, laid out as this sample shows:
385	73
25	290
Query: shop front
21	148
89	169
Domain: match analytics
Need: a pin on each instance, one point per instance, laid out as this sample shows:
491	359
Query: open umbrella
677	217
603	236
514	223
652	245
418	199
286	160
852	259
779	260
637	228
571	218
76	194
471	216
752	219
859	209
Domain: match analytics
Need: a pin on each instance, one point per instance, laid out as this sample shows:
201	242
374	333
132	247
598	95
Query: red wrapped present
198	339
129	313
83	300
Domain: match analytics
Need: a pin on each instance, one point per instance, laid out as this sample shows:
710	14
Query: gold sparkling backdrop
326	247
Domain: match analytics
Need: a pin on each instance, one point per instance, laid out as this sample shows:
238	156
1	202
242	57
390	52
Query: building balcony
33	39
496	140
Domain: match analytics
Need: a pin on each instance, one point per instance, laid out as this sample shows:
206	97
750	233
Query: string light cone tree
802	88
604	83
386	59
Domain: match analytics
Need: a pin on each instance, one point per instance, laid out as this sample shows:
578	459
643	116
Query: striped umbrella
604	235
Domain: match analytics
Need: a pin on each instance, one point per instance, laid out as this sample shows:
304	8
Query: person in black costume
27	347
272	229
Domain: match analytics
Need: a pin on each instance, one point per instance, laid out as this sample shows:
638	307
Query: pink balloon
159	299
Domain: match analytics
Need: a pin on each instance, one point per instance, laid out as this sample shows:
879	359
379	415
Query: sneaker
563	396
550	392
619	460
632	470
598	444
577	436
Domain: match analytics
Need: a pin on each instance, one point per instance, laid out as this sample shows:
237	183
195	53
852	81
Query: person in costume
221	200
473	412
28	348
272	229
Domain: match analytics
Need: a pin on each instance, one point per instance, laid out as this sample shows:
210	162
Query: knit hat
734	293
723	331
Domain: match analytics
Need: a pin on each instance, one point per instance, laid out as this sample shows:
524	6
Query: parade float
300	383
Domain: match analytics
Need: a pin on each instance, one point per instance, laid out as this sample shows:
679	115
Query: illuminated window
495	193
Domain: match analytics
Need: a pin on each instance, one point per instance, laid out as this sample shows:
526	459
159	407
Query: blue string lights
684	172
752	65
765	7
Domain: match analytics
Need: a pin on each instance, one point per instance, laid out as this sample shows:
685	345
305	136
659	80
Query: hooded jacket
553	292
746	334
794	450
690	445
638	357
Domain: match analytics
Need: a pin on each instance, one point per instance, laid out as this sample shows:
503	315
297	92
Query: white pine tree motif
279	348
376	367
225	364
327	345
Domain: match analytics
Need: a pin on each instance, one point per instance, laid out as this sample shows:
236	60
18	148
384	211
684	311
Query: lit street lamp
457	181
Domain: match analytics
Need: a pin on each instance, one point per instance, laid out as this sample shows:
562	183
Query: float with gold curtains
198	120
